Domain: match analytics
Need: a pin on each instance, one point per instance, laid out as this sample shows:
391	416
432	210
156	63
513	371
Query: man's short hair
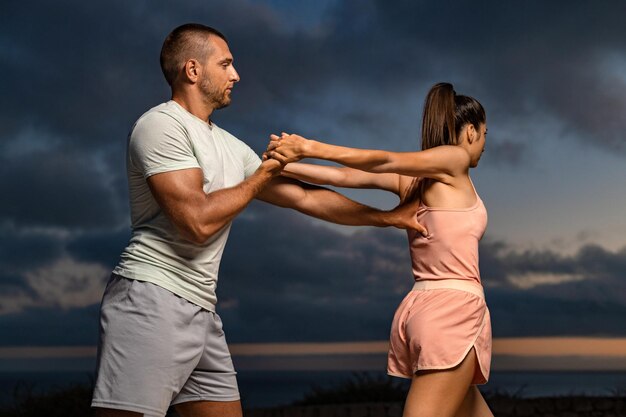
189	41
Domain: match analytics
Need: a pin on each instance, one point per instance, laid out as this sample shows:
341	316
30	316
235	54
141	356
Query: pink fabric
450	251
436	328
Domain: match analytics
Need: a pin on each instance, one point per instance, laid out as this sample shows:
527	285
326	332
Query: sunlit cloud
533	279
65	284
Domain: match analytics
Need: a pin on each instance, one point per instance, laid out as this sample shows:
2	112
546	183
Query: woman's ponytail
438	127
445	114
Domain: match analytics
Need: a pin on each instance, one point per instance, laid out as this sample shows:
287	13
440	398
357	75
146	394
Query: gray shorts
158	349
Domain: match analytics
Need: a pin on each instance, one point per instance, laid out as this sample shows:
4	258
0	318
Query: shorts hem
115	405
463	356
399	375
217	398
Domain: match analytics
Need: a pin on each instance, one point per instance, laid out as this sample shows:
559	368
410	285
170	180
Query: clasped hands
286	148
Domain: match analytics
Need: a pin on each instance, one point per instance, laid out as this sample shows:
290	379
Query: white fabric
168	138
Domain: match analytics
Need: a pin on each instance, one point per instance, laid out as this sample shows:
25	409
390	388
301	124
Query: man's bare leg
210	409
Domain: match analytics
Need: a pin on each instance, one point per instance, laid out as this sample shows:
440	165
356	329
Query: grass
362	387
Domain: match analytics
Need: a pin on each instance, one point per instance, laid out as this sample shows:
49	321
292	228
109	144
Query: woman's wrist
312	149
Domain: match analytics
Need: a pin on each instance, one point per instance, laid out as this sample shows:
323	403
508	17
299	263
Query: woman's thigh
440	393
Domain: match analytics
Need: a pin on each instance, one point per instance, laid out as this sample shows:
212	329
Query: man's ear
192	71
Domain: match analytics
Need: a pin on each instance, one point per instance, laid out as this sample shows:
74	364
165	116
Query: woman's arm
342	177
439	163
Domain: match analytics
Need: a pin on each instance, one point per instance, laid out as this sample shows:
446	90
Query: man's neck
194	105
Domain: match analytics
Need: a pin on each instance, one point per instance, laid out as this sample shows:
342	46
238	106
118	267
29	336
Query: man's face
218	74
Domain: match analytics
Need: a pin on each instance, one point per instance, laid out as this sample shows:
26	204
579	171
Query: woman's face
477	145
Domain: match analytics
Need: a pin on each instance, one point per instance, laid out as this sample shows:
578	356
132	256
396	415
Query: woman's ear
471	133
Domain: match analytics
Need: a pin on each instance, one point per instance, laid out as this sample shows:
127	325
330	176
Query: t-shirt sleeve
251	160
159	143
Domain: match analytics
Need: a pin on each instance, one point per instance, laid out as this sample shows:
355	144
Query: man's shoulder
162	113
227	135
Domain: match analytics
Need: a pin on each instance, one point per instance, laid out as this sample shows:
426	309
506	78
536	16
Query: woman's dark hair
188	41
445	114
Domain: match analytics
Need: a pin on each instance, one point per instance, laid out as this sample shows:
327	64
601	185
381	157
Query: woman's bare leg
441	393
474	405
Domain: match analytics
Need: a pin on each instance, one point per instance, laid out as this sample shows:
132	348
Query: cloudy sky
75	75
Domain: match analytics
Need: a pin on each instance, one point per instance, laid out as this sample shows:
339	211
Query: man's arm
198	215
336	208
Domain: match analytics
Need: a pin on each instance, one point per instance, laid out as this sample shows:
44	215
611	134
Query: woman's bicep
437	163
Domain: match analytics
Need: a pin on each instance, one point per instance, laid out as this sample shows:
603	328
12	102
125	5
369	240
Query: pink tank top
450	251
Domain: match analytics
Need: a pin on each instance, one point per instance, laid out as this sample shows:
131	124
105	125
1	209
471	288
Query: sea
269	389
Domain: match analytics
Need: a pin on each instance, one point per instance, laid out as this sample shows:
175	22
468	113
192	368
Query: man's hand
404	216
287	148
271	165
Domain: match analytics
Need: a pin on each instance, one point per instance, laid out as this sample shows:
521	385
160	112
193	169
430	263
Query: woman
441	332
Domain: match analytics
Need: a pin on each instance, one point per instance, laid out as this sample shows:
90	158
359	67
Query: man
161	341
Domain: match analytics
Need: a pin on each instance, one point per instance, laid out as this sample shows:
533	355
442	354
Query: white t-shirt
169	138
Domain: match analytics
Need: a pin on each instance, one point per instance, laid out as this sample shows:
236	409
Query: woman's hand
287	148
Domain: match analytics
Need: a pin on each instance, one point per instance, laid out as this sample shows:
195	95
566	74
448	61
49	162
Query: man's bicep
176	191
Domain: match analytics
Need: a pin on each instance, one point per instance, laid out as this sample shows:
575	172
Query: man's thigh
213	380
151	341
209	409
107	412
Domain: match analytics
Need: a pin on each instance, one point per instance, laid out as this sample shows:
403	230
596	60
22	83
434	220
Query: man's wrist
387	218
268	169
379	218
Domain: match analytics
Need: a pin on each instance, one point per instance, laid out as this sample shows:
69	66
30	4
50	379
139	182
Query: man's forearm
215	210
333	207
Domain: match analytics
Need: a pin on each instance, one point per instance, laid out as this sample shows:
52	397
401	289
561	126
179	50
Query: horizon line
511	346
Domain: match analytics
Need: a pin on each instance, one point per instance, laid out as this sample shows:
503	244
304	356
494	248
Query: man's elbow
198	234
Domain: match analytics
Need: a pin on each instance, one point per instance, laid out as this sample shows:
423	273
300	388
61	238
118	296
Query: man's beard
217	99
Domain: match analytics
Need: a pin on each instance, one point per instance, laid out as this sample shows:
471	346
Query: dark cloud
21	249
76	76
283	279
288	280
102	247
57	189
544	312
505	153
50	327
101	67
596	265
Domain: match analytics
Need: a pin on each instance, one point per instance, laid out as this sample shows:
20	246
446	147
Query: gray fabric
157	349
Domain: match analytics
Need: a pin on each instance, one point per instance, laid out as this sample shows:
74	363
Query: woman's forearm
363	159
341	177
314	174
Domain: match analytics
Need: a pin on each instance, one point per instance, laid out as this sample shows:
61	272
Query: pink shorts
435	327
